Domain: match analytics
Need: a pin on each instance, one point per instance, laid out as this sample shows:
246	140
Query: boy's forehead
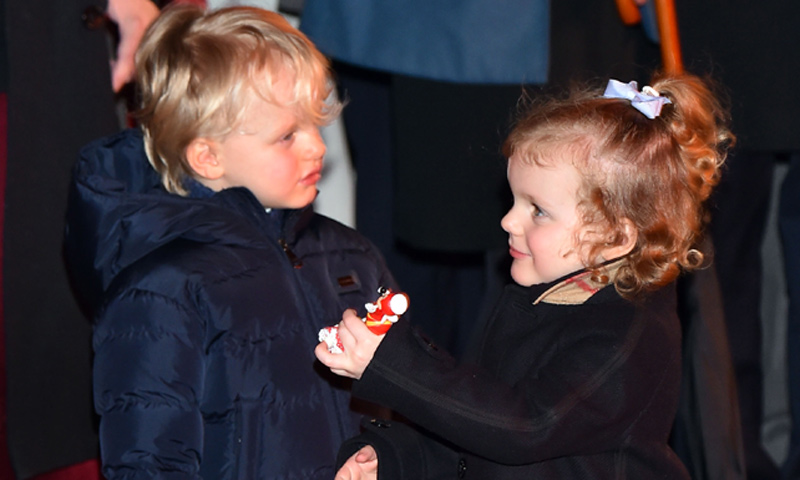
274	82
261	114
280	88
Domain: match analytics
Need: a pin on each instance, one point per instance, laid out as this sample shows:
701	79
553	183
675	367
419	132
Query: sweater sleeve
147	380
579	399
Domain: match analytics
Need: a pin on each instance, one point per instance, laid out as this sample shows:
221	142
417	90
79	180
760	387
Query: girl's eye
538	212
288	137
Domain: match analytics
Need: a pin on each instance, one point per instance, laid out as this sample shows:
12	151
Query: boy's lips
312	178
516	253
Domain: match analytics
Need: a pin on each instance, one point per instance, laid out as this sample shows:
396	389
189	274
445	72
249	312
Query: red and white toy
381	315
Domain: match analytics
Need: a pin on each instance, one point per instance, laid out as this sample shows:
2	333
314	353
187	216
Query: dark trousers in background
739	209
59	99
451	286
789	222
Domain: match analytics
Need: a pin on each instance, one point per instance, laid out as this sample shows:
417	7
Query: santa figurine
385	311
381	315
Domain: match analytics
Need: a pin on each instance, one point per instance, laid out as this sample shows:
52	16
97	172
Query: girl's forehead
548	170
547	158
545	148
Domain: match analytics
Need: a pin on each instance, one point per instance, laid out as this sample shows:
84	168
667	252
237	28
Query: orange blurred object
671	57
629	12
667	22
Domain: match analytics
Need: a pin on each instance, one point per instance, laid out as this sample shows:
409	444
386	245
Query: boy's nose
316	146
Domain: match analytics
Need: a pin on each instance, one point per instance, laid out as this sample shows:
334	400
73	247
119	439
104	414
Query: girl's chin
524	279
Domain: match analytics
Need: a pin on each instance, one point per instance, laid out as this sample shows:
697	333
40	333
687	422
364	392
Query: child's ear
201	154
629	237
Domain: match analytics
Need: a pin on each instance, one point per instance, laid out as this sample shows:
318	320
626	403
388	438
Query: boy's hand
362	465
359	346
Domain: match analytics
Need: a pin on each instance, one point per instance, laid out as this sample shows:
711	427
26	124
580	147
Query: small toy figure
385	311
381	314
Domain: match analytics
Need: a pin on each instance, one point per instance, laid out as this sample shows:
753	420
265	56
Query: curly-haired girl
578	371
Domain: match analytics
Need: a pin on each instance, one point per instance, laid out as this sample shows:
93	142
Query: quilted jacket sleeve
147	380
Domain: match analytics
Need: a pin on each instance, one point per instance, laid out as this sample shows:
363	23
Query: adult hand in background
132	18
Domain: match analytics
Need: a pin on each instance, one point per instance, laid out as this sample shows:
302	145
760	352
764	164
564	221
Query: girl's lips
516	253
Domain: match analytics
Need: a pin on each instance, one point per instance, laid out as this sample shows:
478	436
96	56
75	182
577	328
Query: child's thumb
366	454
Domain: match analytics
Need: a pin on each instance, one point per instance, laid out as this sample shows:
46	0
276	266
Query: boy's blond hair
197	70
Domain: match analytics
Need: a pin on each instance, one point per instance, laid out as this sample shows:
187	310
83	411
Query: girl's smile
516	253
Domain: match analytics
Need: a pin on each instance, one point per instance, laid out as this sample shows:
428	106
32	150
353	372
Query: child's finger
354	325
353	332
339	363
330	360
343	373
322	353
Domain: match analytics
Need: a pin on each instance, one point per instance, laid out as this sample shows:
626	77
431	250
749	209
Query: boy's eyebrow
271	126
242	131
284	127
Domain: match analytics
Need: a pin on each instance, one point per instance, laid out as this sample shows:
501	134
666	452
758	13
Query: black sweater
566	384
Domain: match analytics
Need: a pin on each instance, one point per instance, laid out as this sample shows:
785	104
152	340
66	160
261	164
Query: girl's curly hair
655	174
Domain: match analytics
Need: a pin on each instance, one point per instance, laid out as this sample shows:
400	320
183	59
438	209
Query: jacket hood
118	212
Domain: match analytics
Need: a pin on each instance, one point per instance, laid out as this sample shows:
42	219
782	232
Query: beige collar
576	290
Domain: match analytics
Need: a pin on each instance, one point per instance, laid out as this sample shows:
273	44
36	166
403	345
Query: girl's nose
507	222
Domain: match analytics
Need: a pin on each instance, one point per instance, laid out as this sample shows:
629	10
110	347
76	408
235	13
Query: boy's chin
297	203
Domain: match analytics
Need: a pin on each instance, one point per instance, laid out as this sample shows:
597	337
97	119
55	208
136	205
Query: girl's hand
359	347
362	465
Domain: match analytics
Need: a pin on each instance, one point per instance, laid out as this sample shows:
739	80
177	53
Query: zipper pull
296	262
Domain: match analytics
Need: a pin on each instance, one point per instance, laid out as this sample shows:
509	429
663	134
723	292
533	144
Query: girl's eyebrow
542	204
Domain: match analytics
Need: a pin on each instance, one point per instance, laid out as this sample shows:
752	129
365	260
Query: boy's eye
289	136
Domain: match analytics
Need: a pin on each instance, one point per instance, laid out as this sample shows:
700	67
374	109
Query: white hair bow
648	101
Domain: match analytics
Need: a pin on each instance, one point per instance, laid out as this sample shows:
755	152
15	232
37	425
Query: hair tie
648	101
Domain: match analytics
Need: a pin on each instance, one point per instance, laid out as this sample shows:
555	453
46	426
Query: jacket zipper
293	259
335	402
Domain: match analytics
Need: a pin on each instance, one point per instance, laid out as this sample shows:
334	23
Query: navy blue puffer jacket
207	312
